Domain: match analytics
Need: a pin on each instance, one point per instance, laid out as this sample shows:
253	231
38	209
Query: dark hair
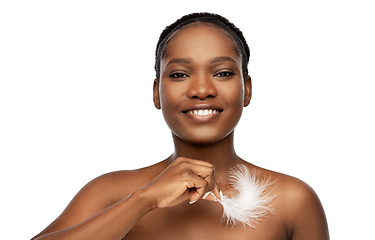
216	20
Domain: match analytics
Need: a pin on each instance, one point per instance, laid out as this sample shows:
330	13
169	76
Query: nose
202	88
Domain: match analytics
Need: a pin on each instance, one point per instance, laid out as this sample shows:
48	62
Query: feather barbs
252	199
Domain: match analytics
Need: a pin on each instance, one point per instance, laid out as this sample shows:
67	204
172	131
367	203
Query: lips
202	112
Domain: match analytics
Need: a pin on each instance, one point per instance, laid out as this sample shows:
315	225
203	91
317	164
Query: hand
182	180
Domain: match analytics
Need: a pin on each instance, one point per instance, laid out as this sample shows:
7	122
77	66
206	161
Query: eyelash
178	75
227	74
220	74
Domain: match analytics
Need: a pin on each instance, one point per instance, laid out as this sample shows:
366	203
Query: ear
156	94
248	91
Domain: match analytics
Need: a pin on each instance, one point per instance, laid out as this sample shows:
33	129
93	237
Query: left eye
178	75
224	74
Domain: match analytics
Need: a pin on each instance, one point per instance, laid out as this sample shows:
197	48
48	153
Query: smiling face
201	90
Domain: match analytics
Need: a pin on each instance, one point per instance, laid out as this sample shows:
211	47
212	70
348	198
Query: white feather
253	198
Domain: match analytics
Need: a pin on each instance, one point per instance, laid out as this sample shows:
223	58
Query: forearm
112	223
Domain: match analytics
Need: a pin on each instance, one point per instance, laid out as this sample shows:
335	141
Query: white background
76	100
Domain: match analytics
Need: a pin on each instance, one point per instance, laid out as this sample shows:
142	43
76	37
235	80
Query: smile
203	112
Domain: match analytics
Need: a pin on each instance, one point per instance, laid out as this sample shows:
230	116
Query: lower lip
202	118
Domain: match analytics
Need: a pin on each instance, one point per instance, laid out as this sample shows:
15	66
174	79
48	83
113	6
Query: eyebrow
180	60
222	59
214	60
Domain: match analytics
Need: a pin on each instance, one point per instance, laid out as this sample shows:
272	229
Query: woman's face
201	90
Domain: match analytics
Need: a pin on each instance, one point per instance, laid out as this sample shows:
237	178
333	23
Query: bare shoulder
291	189
101	193
295	195
120	184
285	184
298	207
114	186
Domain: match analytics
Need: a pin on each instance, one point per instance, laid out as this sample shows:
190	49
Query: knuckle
190	183
183	167
184	174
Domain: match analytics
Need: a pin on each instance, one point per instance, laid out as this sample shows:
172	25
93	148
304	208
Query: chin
204	137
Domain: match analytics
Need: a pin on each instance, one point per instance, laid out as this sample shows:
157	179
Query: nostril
203	97
202	90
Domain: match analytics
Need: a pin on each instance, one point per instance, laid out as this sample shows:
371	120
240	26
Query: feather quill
252	200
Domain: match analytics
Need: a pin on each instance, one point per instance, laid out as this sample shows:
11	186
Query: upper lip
202	106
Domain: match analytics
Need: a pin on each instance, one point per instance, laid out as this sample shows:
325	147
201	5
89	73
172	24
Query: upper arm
94	197
307	219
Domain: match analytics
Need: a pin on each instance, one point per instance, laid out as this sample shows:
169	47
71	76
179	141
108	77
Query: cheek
234	99
233	95
170	98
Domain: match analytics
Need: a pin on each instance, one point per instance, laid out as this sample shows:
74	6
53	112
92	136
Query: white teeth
203	112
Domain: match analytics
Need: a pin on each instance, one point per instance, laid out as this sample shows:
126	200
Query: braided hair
209	18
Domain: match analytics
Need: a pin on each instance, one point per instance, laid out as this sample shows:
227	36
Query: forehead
199	40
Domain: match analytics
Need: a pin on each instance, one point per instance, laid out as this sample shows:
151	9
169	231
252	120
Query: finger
198	186
200	168
208	174
202	171
193	161
214	194
217	191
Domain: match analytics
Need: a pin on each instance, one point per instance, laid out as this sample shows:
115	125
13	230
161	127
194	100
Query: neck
221	154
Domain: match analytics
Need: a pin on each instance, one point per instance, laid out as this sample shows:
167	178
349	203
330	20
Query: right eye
178	75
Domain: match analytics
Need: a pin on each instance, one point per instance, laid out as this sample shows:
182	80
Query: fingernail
193	201
206	194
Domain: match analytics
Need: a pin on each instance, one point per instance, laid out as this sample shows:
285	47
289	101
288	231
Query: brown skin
153	202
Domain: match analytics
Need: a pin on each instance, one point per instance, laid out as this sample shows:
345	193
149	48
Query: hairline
169	38
226	30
